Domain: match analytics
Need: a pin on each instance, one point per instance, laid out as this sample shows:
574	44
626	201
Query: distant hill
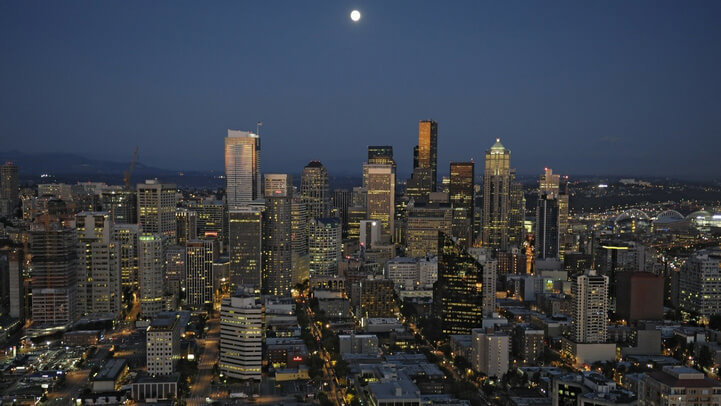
30	164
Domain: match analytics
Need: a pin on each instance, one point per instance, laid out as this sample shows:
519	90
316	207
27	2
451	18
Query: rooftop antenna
257	127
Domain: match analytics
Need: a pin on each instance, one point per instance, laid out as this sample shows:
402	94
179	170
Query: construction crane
129	172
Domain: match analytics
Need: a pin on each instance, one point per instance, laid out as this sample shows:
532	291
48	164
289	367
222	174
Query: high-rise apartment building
458	292
277	245
156	208
299	228
324	246
99	279
461	194
484	256
245	246
54	270
241	337
199	258
381	189
315	190
151	268
699	283
489	352
242	168
589	307
174	269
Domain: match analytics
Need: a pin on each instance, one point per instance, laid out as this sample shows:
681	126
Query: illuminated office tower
187	225
380	155
156	209
517	213
556	187
245	246
299	239
199	258
212	220
241	337
547	236
122	205
9	181
461	193
341	200
242	168
174	269
126	236
360	194
54	268
458	292
151	268
15	281
99	279
277	245
589	307
314	189
324	246
424	179
381	189
496	196
356	215
423	225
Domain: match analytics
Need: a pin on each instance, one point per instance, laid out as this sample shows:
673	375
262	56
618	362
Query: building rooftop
680	376
111	370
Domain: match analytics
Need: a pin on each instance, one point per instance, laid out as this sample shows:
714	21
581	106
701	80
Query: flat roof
111	370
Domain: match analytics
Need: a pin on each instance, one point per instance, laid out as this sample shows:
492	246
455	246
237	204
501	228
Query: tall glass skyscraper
314	189
242	168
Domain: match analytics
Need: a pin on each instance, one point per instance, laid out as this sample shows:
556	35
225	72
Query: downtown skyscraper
151	269
589	307
503	209
245	246
314	190
54	270
242	168
461	194
381	191
424	179
199	257
156	209
277	245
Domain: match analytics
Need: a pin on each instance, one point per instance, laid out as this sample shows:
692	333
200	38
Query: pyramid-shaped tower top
498	148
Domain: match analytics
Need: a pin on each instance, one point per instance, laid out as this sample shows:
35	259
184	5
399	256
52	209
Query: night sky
628	88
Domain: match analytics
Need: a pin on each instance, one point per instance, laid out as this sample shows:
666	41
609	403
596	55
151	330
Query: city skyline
613	85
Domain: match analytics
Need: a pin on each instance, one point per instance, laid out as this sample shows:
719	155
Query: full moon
355	15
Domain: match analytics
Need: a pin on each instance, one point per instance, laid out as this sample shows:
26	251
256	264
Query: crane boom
129	172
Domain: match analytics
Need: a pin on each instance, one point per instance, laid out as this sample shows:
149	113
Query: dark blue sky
584	87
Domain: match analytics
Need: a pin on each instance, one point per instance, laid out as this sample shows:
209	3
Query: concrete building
639	296
241	337
199	258
163	345
699	286
324	246
126	236
151	268
54	268
242	168
424	222
315	190
590	307
489	352
376	298
99	282
245	246
358	344
381	192
156	209
678	386
277	276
